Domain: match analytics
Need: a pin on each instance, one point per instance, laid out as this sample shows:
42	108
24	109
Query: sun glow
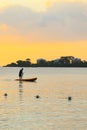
40	32
16	48
37	5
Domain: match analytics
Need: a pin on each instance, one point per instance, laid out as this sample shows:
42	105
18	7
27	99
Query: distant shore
51	66
64	61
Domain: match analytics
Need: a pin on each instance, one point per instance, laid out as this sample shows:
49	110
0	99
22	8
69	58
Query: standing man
21	73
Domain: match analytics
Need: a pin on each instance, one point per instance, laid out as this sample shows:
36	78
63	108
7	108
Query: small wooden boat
27	80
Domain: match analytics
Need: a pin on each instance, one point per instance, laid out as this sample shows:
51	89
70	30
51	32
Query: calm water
21	110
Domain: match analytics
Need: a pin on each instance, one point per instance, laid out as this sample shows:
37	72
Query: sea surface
21	110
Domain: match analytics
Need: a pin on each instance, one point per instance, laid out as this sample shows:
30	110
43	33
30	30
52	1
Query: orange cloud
4	27
49	3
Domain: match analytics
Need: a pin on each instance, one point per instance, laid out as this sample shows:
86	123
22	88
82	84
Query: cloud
63	21
37	5
4	28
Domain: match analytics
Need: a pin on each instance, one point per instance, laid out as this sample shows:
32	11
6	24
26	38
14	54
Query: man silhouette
21	73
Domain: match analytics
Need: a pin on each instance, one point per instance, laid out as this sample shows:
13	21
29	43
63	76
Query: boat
27	80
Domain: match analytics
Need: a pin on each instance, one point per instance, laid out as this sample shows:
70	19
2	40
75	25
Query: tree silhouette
64	61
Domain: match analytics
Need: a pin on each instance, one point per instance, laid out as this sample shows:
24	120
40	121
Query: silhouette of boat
27	80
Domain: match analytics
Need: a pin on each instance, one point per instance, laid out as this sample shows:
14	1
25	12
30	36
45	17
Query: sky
45	29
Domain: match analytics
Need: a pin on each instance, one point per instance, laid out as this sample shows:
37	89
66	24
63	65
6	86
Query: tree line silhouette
64	61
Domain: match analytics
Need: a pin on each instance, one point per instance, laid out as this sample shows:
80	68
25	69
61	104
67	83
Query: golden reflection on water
20	90
52	111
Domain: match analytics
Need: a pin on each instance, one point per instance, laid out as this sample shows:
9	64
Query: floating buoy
69	98
37	96
5	94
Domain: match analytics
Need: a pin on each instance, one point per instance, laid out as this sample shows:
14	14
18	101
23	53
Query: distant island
64	61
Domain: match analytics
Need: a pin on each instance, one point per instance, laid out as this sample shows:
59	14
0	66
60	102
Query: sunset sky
45	29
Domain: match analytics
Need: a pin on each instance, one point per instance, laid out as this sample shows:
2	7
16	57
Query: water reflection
21	91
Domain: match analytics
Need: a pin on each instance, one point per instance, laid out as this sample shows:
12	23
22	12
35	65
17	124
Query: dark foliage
65	61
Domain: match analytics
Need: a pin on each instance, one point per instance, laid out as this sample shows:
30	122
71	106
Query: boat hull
27	80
